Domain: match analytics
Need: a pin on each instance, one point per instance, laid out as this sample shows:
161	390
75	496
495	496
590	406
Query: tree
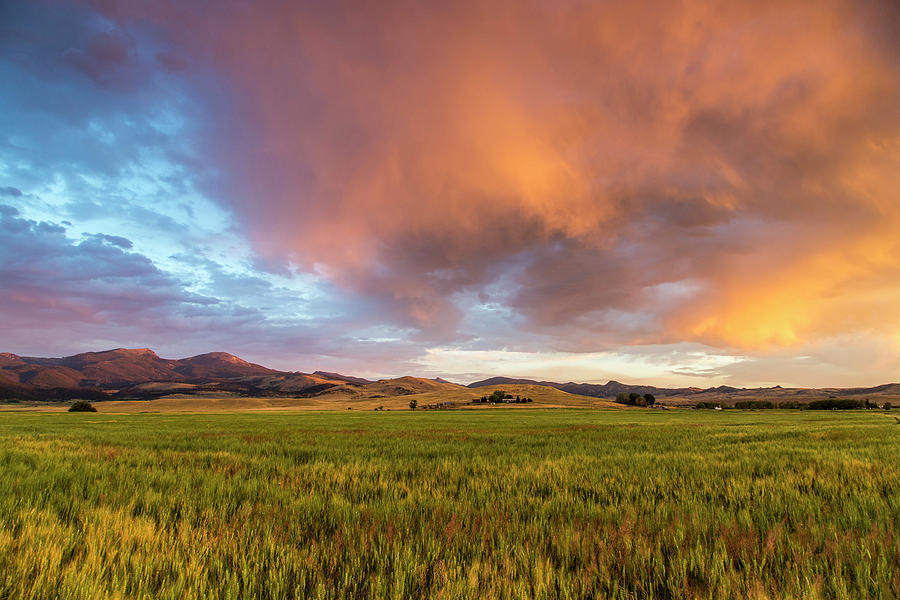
622	398
633	398
413	404
888	406
650	399
498	396
82	406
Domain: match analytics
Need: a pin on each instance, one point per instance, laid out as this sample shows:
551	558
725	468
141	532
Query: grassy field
450	504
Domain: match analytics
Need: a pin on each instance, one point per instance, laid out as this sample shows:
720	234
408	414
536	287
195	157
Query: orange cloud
743	152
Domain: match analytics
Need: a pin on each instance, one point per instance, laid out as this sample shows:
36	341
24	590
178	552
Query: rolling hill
140	374
693	395
606	390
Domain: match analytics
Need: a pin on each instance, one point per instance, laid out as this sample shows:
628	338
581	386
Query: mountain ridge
140	373
612	388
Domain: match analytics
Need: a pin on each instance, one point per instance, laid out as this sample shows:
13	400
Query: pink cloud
744	151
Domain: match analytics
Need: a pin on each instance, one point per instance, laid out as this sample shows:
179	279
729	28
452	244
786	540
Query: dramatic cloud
721	172
557	177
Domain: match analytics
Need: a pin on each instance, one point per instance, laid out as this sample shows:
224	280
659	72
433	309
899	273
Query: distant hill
340	377
692	395
140	374
217	365
510	381
123	367
404	386
607	390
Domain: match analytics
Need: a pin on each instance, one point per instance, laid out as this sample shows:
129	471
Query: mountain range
611	389
140	374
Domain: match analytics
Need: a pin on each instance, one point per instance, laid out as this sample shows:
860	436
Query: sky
688	193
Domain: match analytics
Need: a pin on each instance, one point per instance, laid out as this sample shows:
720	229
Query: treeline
635	399
501	397
52	394
753	404
240	388
843	404
828	404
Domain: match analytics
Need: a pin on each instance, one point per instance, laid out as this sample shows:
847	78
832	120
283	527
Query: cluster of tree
753	404
836	404
501	397
791	405
708	405
82	406
635	399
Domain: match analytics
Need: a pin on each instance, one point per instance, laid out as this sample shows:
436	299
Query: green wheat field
451	504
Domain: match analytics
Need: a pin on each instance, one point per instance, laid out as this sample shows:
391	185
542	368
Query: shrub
82	406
